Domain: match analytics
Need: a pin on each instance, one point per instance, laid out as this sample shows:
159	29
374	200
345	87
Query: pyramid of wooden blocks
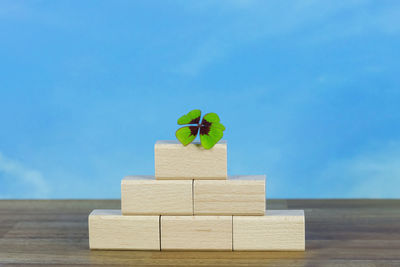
192	204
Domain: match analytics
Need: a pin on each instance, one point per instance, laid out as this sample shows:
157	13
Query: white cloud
31	182
314	22
13	9
371	174
204	55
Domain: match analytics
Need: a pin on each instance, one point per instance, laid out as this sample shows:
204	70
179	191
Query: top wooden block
173	161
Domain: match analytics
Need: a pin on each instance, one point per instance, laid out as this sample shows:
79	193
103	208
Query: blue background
309	92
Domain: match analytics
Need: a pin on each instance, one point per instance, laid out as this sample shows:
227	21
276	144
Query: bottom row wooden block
109	229
276	230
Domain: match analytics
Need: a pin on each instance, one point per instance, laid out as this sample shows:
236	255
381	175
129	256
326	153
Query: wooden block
175	161
239	195
196	232
277	230
108	229
144	195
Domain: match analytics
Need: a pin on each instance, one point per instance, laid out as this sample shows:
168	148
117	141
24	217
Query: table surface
339	232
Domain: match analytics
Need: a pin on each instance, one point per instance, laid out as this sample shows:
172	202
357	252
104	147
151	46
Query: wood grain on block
109	229
279	230
144	195
196	232
239	195
175	161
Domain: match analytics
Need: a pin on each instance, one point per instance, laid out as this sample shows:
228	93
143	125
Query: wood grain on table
338	233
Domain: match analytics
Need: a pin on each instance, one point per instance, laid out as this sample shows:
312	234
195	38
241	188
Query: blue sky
309	92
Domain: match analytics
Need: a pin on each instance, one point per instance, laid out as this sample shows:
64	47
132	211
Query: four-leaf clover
211	130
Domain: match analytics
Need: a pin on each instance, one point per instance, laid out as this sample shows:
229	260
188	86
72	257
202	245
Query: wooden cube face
196	233
278	230
238	195
109	229
144	195
173	161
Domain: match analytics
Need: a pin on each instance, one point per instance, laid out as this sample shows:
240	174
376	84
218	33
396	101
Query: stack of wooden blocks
191	204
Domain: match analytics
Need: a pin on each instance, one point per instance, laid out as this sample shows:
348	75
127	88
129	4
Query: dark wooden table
338	233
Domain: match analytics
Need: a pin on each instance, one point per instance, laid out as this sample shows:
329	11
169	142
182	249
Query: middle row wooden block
238	195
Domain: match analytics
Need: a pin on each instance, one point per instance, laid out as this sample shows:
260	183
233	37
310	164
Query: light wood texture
196	232
108	229
175	161
239	195
144	195
277	230
339	232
